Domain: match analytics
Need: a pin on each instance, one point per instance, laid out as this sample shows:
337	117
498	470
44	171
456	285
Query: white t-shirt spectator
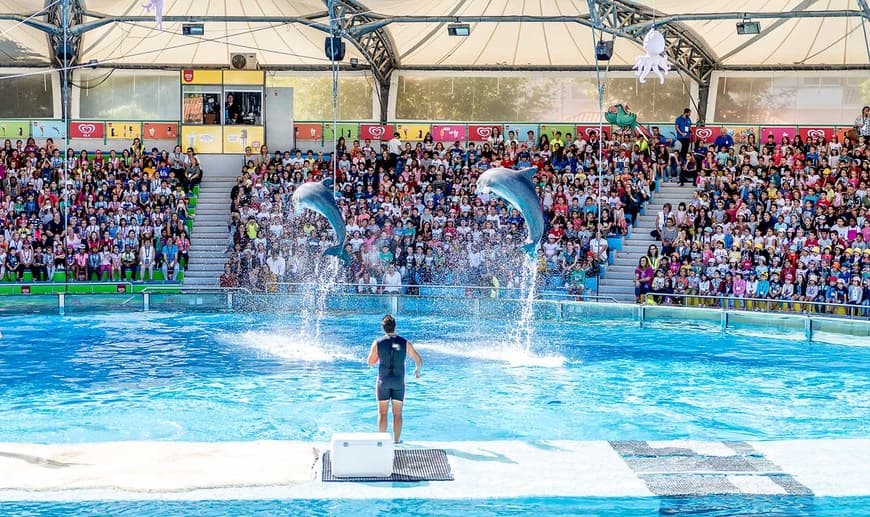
394	146
392	281
277	265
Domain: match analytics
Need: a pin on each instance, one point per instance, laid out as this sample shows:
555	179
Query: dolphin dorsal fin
530	172
327	182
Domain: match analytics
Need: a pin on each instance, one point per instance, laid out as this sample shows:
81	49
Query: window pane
790	99
312	96
532	99
129	95
25	97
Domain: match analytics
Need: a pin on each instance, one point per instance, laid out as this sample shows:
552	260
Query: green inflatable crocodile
621	116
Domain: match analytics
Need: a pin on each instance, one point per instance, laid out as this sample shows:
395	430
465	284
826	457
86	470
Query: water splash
315	292
289	344
524	331
500	352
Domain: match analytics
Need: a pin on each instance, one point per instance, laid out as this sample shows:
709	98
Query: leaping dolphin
318	197
516	188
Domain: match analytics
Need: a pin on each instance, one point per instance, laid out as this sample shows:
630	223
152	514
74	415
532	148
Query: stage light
747	27
459	29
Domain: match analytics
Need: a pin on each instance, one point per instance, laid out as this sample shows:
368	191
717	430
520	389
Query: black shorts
390	390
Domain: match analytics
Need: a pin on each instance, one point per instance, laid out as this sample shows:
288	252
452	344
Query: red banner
308	131
83	129
778	133
817	132
588	131
160	131
481	133
448	132
376	132
707	133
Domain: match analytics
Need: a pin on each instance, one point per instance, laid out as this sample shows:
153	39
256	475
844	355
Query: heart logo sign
704	132
816	133
484	132
87	129
591	131
377	131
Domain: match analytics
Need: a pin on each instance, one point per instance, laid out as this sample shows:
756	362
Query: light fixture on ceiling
748	27
459	29
193	29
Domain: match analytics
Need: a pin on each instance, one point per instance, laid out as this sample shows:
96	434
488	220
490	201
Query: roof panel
274	44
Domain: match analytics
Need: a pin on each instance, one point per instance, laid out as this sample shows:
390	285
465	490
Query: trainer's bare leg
383	407
397	420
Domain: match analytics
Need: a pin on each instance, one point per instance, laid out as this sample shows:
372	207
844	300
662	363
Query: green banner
14	129
350	131
550	130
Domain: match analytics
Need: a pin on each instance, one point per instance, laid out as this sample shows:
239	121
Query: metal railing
733	303
445	290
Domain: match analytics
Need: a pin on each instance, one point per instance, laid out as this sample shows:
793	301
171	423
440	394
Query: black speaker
334	48
604	50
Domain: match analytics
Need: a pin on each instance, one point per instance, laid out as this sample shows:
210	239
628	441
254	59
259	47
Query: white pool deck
482	470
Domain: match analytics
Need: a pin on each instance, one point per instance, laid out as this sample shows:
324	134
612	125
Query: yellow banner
413	132
252	77
203	139
201	76
236	138
123	130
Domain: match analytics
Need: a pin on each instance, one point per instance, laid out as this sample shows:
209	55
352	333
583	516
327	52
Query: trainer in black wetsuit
391	352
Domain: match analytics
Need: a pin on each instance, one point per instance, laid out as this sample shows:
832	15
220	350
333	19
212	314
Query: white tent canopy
290	34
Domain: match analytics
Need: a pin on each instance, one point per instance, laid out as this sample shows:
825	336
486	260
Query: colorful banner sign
236	138
376	132
551	129
201	77
589	130
160	131
123	130
479	133
818	132
14	129
308	131
521	131
777	132
203	139
706	133
449	132
48	129
87	129
413	132
349	131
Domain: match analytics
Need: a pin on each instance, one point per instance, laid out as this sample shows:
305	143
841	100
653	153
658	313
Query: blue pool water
217	377
720	506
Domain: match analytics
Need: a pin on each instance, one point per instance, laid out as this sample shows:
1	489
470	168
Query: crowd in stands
413	215
782	220
93	216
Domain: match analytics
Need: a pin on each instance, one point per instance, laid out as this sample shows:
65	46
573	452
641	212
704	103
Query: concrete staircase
618	282
210	234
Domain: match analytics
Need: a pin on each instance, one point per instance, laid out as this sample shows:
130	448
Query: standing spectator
683	127
170	260
862	123
147	257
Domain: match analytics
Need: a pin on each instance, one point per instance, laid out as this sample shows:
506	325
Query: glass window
244	107
533	99
128	95
312	96
201	105
790	99
25	97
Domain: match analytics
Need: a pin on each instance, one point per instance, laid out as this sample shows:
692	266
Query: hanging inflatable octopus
654	60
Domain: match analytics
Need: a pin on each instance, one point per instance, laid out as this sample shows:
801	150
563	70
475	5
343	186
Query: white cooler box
362	454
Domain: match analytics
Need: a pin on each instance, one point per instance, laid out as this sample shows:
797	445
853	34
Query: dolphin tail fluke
531	249
338	251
